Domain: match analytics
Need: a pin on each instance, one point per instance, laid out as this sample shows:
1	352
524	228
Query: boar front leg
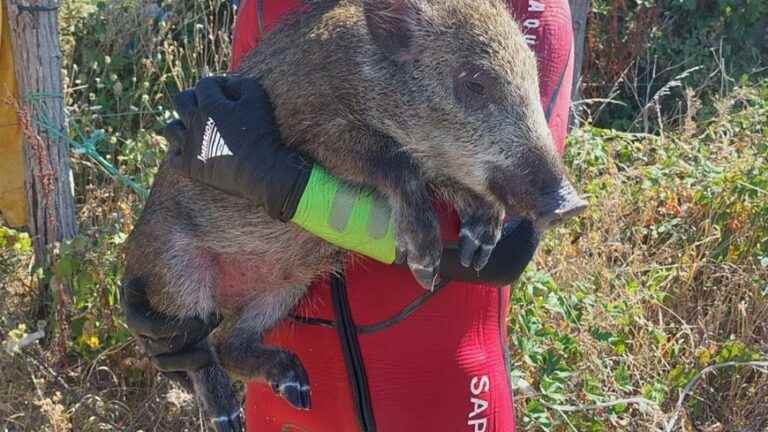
393	171
368	157
418	232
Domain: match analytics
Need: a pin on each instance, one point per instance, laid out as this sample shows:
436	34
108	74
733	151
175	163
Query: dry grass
667	273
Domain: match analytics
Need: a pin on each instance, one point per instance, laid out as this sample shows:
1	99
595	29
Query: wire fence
86	145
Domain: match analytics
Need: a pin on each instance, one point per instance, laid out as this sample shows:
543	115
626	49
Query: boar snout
545	196
559	205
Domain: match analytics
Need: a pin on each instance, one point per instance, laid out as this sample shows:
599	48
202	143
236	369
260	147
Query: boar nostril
574	208
560	206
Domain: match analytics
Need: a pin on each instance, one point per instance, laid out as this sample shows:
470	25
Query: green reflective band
349	218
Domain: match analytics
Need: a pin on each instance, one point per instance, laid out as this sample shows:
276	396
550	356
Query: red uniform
381	353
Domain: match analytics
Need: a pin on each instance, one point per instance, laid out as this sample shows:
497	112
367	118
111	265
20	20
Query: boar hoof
231	423
419	241
427	277
293	386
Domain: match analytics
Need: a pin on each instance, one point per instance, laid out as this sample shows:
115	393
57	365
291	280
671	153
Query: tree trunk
37	57
579	12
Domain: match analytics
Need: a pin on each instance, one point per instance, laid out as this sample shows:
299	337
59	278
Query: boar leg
214	391
481	223
418	233
389	168
241	350
243	354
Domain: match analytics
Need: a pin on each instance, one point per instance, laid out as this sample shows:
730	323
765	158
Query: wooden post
37	56
579	12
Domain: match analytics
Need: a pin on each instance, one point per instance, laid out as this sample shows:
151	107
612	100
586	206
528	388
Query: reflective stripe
341	209
345	217
344	202
378	220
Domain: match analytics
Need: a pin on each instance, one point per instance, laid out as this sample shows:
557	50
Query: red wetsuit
381	354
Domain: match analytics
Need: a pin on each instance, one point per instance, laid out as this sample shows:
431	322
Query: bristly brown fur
366	89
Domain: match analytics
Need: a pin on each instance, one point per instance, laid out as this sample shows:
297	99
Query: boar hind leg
214	391
241	350
244	355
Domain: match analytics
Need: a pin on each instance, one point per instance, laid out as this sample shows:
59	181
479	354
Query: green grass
666	274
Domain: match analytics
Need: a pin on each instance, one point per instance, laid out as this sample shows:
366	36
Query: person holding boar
381	353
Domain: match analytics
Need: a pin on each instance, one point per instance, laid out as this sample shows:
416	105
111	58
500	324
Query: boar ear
390	23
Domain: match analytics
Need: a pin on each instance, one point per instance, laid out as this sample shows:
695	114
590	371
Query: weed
666	278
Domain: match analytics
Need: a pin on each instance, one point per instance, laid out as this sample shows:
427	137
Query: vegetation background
649	313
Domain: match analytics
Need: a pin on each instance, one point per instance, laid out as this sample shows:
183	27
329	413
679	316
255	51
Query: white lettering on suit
530	23
478	387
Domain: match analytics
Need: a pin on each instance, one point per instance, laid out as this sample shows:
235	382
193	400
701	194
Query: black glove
227	138
174	345
513	252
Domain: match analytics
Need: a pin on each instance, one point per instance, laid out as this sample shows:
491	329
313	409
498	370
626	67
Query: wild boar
410	98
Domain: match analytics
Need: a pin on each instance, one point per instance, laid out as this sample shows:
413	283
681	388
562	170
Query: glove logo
213	144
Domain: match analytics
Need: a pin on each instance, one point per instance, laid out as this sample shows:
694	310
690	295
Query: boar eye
474	87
